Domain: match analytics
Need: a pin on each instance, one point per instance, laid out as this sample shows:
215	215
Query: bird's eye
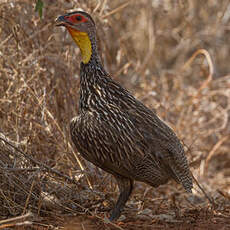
78	18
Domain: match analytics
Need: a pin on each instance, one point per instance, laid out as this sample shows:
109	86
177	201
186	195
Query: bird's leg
125	187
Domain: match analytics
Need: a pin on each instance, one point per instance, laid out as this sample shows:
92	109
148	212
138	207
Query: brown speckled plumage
119	134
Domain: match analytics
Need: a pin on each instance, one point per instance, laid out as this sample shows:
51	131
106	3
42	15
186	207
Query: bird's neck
92	74
87	44
93	80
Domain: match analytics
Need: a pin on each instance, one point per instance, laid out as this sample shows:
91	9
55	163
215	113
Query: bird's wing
163	143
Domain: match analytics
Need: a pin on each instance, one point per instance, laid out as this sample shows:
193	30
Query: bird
115	131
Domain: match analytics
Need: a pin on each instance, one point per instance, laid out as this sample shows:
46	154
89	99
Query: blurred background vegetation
172	55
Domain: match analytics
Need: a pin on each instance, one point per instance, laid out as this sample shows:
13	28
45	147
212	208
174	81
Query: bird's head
82	29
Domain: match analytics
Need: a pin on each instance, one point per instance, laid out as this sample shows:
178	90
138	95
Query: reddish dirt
191	220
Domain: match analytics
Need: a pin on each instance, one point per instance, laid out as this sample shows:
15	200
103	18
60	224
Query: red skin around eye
73	18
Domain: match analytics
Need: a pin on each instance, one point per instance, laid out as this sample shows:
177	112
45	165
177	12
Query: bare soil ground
172	55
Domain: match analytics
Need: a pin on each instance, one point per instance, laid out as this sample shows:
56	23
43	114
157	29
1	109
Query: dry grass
147	46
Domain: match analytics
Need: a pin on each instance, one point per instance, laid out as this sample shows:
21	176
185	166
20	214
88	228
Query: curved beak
63	21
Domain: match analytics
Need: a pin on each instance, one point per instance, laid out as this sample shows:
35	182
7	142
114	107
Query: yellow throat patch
83	42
